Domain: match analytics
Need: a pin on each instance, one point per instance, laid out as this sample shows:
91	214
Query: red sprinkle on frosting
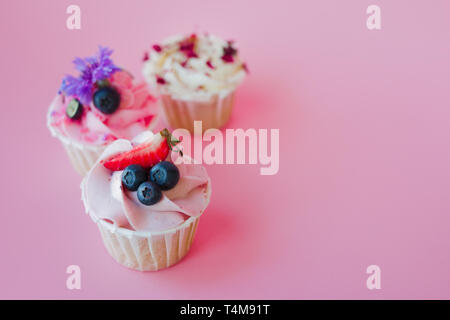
187	46
229	52
146	56
160	80
228	58
209	64
157	48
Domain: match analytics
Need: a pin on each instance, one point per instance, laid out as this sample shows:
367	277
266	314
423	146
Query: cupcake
146	205
196	77
99	106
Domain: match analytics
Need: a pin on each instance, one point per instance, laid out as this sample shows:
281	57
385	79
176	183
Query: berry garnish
146	155
133	176
107	99
149	193
74	109
165	174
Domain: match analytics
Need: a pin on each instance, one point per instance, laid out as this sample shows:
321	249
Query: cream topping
196	67
104	197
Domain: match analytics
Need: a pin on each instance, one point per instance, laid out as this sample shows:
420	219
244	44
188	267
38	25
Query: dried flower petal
229	52
187	46
160	80
228	58
157	48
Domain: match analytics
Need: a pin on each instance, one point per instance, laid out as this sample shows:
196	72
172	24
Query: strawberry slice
146	154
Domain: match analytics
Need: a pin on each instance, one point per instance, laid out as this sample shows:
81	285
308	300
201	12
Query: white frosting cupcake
196	67
196	77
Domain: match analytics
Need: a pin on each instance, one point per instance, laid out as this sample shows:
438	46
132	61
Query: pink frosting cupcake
196	77
146	207
99	106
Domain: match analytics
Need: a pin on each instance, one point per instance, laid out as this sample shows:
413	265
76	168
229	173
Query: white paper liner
149	251
82	159
214	113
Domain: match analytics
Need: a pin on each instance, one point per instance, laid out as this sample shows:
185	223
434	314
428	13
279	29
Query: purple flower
92	69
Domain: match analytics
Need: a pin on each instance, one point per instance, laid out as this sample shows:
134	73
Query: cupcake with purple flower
196	77
100	105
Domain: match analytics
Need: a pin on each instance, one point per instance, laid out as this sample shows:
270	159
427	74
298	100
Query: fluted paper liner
213	113
149	251
82	159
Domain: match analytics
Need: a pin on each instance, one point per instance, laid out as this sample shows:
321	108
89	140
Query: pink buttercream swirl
105	198
136	111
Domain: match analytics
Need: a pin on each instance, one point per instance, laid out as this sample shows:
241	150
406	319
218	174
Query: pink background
364	178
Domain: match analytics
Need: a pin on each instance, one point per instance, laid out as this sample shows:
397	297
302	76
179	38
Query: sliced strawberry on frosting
147	155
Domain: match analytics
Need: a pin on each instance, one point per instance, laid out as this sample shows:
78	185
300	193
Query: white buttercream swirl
194	78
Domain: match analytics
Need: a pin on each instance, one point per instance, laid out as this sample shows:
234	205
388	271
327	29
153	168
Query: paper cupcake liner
149	252
214	113
82	159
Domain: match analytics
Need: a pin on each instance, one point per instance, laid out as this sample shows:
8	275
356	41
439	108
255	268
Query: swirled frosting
136	112
195	67
104	197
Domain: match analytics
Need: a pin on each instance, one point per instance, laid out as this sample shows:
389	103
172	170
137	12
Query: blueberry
133	176
107	100
149	193
74	109
165	174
